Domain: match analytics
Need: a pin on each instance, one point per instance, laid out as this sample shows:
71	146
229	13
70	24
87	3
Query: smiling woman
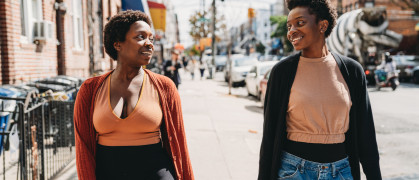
318	119
128	122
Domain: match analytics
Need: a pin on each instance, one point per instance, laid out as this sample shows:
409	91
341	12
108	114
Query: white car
227	67
255	75
240	68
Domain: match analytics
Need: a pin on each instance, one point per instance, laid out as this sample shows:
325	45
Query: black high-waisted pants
149	162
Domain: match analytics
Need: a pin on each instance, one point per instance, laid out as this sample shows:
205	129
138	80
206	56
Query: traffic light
251	13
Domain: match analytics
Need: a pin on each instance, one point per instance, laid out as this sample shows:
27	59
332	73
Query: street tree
260	48
281	31
201	27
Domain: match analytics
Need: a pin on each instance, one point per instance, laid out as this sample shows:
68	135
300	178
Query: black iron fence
36	137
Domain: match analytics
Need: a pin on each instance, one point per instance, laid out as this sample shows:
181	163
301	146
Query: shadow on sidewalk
256	109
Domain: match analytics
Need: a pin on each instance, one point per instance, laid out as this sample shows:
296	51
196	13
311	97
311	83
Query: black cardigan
360	141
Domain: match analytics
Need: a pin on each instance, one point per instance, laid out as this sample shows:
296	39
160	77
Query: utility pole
229	61
211	65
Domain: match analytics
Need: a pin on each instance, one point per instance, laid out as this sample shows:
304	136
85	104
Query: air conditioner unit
42	30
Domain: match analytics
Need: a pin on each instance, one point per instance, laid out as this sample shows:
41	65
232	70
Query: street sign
203	19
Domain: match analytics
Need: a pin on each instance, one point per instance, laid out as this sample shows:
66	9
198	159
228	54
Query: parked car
271	57
416	75
406	64
21	90
227	67
240	69
220	63
263	85
255	75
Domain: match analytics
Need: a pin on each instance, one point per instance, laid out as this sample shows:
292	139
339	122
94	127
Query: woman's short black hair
321	8
118	26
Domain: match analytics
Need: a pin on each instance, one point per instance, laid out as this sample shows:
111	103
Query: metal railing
46	138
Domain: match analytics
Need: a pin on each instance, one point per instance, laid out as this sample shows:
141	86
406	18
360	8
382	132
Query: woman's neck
315	51
126	73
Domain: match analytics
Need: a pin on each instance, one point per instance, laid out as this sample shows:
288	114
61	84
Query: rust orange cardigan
172	130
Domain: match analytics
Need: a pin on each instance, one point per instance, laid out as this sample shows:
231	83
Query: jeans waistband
305	164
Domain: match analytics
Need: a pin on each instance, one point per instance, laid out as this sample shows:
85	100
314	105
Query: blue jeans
296	168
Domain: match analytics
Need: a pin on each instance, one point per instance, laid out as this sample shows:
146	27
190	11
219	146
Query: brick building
401	20
44	38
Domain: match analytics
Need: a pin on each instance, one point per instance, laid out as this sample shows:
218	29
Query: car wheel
416	77
377	86
393	84
248	92
258	95
262	99
233	84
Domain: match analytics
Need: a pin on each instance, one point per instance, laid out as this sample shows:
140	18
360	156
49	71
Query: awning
158	15
140	5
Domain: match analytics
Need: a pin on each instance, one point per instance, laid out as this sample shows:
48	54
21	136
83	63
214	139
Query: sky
235	12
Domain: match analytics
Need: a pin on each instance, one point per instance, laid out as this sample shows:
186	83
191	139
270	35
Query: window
100	29
22	18
77	24
253	70
30	13
369	4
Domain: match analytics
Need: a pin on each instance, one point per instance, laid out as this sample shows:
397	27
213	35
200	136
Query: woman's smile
147	53
296	39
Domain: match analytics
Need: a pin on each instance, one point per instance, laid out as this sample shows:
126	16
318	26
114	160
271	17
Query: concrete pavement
223	131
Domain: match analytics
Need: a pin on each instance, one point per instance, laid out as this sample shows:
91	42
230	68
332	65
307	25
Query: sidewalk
224	131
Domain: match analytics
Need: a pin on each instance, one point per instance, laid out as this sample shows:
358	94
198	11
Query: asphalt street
224	131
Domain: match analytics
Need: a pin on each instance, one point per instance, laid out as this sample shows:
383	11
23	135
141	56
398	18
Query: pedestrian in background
185	61
202	67
191	67
171	68
318	122
128	122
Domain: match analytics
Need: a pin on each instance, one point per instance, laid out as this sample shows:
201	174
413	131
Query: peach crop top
319	104
141	127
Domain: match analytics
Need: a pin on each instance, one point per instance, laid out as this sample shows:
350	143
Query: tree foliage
201	26
281	31
260	48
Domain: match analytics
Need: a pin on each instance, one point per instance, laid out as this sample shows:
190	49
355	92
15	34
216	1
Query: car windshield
220	60
268	73
408	58
246	61
265	69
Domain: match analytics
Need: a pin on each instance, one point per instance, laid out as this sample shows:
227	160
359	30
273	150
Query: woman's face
304	32
137	49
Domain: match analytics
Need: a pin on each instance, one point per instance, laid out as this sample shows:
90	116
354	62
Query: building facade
401	20
263	28
44	38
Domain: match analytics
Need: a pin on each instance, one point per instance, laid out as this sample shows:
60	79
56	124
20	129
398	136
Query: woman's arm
85	136
269	125
367	143
177	119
